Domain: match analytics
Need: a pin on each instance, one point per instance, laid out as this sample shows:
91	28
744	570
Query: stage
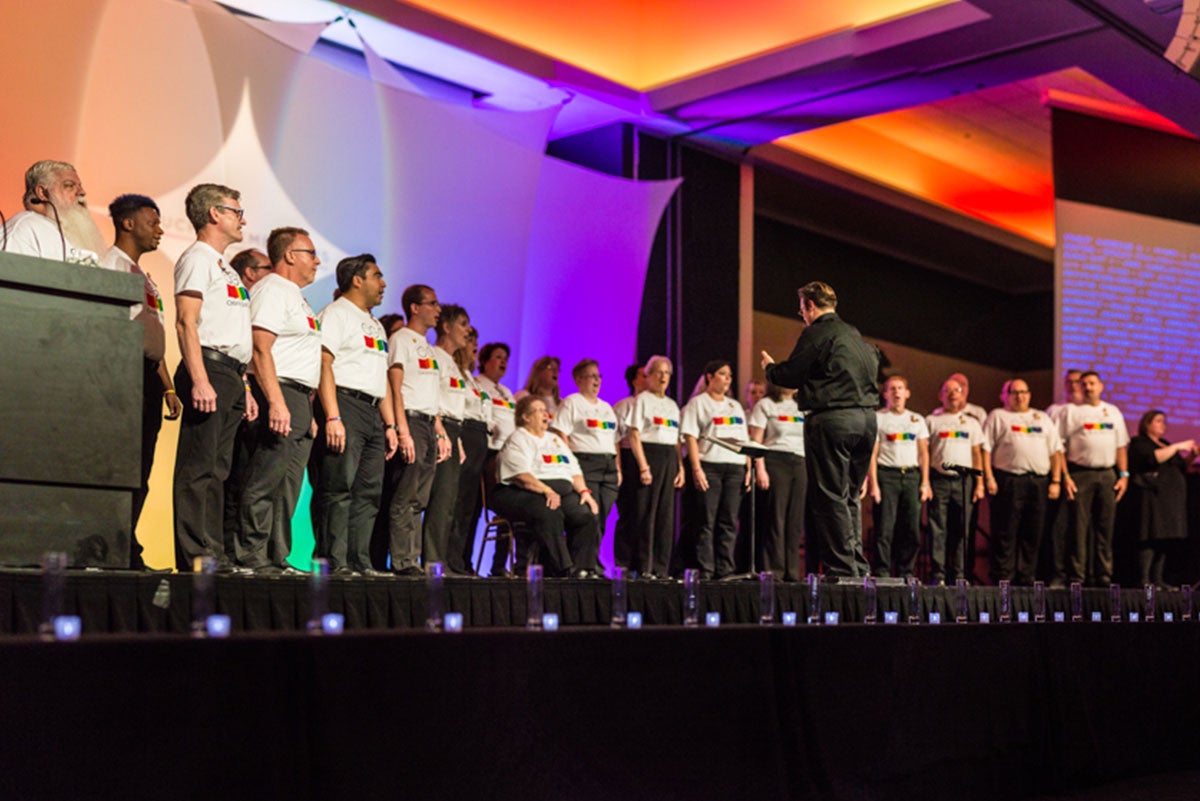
115	601
588	712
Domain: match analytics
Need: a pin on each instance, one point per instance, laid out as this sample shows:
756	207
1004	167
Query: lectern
70	411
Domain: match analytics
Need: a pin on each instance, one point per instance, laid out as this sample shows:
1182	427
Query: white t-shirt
149	311
502	404
952	438
704	416
782	423
622	409
33	234
897	437
413	352
452	400
655	419
547	457
1093	434
592	427
1021	442
477	406
224	323
359	347
276	305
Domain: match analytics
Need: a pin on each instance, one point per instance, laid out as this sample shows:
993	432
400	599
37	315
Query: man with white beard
56	223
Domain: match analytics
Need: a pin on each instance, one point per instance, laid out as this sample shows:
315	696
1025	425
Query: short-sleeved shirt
224	323
592	427
150	311
622	409
503	407
898	435
704	416
413	352
546	457
33	234
782	424
477	406
952	436
276	305
452	400
1021	442
655	419
359	347
1093	434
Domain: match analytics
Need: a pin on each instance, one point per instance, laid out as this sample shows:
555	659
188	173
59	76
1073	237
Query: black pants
838	444
600	475
203	456
1089	544
274	477
503	545
1018	517
152	417
946	526
545	526
781	508
713	535
443	495
898	521
347	486
466	514
405	496
625	535
653	528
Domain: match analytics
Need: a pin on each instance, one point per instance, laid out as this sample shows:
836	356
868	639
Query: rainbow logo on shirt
728	421
666	422
790	418
502	403
314	324
551	458
1097	426
603	425
953	435
237	292
375	344
153	302
427	364
456	383
1027	429
902	437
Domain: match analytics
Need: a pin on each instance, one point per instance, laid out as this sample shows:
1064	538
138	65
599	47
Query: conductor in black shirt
833	370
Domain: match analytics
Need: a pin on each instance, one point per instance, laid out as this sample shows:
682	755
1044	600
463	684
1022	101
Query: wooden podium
70	411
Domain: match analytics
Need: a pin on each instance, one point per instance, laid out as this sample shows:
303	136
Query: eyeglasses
591	377
429	303
241	213
309	251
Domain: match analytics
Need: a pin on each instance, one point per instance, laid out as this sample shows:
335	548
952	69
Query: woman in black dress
1158	471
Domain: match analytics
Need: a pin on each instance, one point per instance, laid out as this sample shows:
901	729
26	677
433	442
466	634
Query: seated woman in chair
542	487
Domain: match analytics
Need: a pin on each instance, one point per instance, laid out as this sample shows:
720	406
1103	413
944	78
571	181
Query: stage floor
129	602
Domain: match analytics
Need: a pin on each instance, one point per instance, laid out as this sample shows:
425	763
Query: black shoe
345	571
412	571
503	574
371	572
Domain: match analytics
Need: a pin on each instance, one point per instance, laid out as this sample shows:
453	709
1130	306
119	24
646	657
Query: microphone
959	468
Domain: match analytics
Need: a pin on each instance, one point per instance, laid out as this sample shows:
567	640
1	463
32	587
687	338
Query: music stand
755	451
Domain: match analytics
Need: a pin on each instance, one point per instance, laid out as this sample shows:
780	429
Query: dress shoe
503	574
412	571
371	572
345	571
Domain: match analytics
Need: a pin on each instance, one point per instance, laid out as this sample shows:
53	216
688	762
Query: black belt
1078	468
900	470
289	383
365	397
217	356
420	415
